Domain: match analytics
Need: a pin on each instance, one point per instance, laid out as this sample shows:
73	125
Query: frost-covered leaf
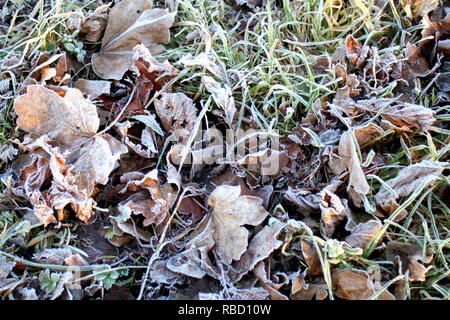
82	157
411	258
231	212
363	233
176	111
131	22
406	182
349	158
223	97
260	247
93	88
208	61
354	284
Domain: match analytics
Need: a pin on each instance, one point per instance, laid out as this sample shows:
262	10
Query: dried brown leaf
354	284
223	97
349	157
131	22
231	212
93	88
363	233
406	182
260	247
176	111
411	258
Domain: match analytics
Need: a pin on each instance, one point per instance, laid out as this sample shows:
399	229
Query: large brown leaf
231	212
131	22
82	157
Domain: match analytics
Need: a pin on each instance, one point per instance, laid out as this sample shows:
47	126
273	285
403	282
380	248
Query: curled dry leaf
356	53
406	182
59	256
363	233
354	284
270	285
222	96
332	209
400	113
300	290
349	158
311	256
94	23
145	147
411	258
260	247
208	61
147	199
93	88
131	22
151	76
82	157
176	111
231	212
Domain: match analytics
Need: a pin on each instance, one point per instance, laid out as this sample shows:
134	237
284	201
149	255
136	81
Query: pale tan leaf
223	97
231	212
400	113
260	247
131	22
208	61
354	284
363	233
93	88
349	157
406	181
176	111
43	112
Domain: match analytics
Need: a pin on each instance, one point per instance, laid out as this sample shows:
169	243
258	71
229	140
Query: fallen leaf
363	233
59	256
223	97
176	111
354	284
356	53
260	247
207	60
301	290
406	182
151	76
94	23
400	113
411	258
93	88
131	22
367	133
146	200
311	257
333	211
83	157
349	158
231	212
271	286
